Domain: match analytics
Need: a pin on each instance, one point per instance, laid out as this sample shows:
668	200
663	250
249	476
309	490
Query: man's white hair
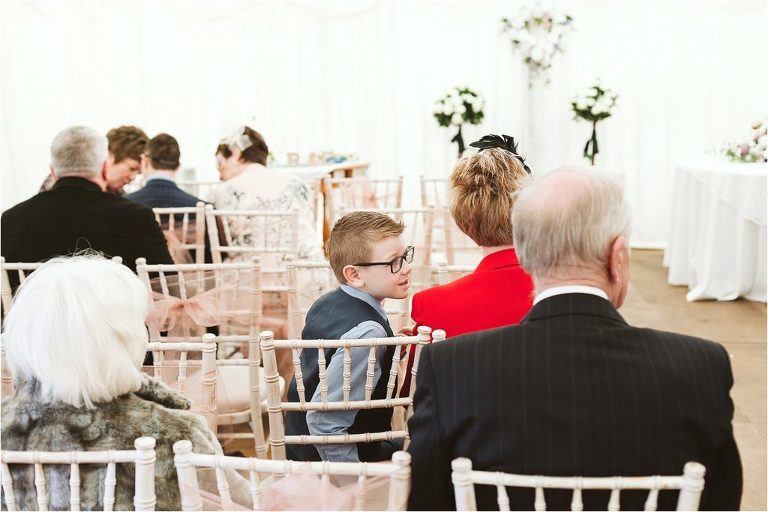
568	218
78	150
76	325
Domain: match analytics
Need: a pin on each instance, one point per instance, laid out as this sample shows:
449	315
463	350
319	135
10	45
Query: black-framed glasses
396	264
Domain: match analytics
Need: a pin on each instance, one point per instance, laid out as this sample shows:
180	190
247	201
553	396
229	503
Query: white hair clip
238	140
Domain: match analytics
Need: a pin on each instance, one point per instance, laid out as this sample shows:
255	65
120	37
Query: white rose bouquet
458	106
753	150
594	105
537	32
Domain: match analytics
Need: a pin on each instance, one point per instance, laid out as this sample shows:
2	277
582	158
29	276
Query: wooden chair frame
207	367
281	241
253	414
197	247
445	273
691	484
275	407
399	471
143	457
389	192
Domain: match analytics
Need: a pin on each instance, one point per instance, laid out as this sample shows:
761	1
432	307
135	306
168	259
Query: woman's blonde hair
76	325
352	238
481	195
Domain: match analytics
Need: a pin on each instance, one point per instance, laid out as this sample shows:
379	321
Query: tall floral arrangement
754	149
458	106
593	105
537	33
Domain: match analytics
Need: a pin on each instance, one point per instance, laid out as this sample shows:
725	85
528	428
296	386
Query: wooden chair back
448	239
276	408
690	483
143	457
171	365
445	273
360	193
235	290
184	229
240	234
398	471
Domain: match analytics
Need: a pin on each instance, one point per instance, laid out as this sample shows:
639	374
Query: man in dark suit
77	214
573	389
159	165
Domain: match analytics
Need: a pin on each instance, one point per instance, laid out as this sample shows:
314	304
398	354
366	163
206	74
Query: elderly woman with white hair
75	340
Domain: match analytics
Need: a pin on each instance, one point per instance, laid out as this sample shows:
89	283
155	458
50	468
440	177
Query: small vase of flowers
755	149
460	105
594	105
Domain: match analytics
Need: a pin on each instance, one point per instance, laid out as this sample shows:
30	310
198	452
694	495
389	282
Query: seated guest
249	185
481	198
573	389
125	147
75	339
159	164
369	258
481	192
76	214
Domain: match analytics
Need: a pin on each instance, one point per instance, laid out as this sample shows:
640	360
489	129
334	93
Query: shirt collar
166	178
359	294
562	290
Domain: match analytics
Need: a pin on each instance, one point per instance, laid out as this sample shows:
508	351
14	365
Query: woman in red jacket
499	292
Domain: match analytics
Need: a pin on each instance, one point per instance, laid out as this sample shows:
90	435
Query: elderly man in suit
573	389
77	214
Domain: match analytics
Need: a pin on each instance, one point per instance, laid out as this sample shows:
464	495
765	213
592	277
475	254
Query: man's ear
617	258
53	172
352	276
104	171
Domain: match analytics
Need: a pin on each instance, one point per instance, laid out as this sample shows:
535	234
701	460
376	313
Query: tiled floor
741	327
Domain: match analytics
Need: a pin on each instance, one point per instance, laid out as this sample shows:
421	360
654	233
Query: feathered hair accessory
238	140
504	142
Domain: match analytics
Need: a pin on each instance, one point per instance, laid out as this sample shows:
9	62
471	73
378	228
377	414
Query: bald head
566	221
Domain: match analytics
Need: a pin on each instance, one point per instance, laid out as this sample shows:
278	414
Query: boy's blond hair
352	238
481	195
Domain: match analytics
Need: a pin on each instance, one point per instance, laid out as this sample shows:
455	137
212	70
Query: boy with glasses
369	257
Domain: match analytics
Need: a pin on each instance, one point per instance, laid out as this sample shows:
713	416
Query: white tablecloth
717	240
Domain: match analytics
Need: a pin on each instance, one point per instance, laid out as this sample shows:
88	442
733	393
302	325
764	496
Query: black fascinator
504	142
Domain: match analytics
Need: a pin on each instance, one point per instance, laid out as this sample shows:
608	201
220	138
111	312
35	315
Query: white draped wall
362	77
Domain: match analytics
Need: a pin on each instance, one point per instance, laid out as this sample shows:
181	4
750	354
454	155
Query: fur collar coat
155	411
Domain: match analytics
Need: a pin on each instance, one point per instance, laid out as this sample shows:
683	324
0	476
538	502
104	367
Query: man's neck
168	175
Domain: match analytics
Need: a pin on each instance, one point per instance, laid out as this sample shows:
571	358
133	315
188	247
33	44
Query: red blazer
498	293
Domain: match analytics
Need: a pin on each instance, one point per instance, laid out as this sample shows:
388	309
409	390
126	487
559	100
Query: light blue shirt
338	422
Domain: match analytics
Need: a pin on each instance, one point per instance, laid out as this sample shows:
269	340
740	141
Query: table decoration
755	149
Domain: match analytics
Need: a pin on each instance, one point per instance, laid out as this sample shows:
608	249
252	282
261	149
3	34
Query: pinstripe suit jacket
573	390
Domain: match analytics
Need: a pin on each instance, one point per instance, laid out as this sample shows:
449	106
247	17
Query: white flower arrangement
753	150
537	32
593	105
460	105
